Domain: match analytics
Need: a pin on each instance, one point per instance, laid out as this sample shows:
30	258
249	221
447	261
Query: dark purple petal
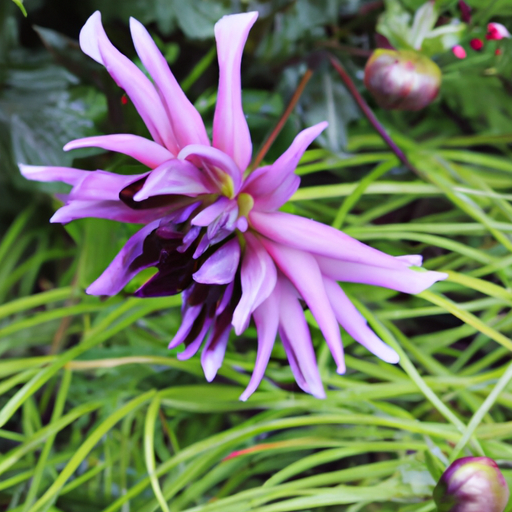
202	246
194	343
226	297
189	317
122	268
189	238
171	279
175	269
221	266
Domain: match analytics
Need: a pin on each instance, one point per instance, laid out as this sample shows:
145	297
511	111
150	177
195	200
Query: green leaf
434	465
394	24
424	20
19	3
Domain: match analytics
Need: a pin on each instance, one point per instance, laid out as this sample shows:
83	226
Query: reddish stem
289	109
369	113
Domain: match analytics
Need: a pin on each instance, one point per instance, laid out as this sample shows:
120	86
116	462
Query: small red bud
124	99
472	484
476	44
402	80
459	52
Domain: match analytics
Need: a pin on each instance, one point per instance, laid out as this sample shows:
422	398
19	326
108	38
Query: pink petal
215	163
497	31
174	177
221	266
230	131
120	272
296	339
187	322
258	277
186	121
279	196
266	317
215	346
355	324
303	271
411	260
145	151
195	344
213	353
309	235
263	182
43	173
95	43
112	210
102	185
210	213
404	280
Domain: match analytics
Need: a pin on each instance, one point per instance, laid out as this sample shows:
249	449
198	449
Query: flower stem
367	111
289	109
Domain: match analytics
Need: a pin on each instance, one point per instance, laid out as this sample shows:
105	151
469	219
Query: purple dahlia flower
213	229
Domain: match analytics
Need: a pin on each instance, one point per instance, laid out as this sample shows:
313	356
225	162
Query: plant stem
289	109
367	111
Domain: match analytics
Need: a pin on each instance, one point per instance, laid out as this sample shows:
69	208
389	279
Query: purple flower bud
402	80
465	11
472	484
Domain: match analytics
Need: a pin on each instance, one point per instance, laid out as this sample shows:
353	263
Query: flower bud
472	484
476	44
459	52
496	31
465	11
402	80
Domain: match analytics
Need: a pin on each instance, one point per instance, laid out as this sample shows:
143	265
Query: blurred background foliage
97	415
